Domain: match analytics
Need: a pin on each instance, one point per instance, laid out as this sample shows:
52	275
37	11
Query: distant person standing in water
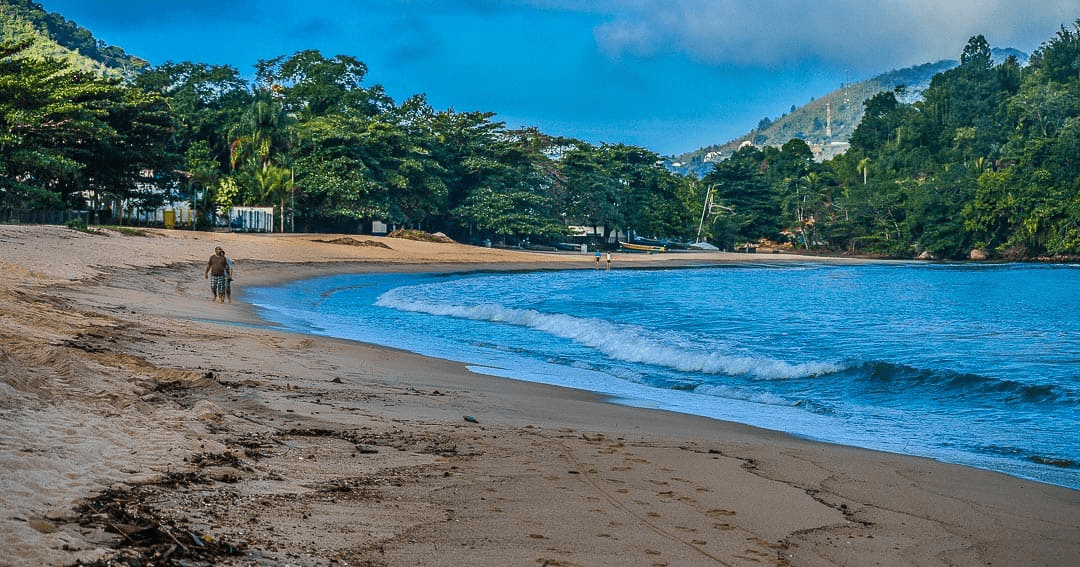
219	272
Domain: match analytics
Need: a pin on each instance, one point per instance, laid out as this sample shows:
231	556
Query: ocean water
970	364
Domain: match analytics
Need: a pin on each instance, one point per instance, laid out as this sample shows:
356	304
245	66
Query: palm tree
275	186
263	134
202	171
260	143
864	168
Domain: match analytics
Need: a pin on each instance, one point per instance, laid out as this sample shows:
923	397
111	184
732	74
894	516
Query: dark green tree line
69	136
987	158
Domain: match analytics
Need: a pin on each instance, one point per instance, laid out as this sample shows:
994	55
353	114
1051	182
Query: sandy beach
145	424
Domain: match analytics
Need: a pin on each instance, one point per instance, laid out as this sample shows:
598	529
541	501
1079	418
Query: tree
620	186
311	85
882	117
202	172
423	194
1042	105
741	185
207	101
517	214
275	185
461	143
42	114
1059	59
977	55
261	140
994	212
864	168
134	168
591	195
513	197
66	133
263	135
358	167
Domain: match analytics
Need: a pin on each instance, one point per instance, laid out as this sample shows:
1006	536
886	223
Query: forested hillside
64	39
985	159
827	122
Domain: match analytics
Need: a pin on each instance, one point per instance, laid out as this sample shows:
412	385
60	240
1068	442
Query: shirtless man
219	272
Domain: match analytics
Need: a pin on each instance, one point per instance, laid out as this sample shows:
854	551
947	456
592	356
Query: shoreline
627	395
323	451
1031	466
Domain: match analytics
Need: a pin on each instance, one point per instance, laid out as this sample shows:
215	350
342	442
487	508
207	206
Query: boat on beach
642	247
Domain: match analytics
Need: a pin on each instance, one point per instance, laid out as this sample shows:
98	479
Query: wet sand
141	420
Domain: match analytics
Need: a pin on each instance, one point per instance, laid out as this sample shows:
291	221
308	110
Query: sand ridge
142	421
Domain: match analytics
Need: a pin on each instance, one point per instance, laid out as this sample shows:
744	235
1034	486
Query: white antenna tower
828	120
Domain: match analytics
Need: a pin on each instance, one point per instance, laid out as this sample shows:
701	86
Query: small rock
206	410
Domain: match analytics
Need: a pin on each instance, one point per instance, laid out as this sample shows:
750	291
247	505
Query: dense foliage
68	136
22	17
988	158
308	137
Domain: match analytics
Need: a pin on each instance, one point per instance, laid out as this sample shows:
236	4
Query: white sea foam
747	344
618	341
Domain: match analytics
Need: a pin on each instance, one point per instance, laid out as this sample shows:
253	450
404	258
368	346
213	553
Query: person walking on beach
229	279
219	272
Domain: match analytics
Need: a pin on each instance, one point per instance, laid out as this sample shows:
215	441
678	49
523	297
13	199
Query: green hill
57	37
825	123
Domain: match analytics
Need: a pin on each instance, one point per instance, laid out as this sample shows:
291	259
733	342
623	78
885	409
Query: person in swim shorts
219	272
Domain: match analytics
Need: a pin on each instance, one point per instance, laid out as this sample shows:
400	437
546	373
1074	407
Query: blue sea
971	364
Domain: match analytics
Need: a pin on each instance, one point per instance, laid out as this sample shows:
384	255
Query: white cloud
860	34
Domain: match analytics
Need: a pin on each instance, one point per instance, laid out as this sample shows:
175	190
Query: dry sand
143	423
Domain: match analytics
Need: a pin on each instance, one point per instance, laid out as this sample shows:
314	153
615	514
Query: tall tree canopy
67	134
986	158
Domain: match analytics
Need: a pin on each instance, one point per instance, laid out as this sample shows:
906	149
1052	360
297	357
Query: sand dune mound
350	241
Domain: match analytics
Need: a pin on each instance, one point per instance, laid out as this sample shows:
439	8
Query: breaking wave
618	341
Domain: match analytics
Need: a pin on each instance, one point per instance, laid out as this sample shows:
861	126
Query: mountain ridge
827	122
56	36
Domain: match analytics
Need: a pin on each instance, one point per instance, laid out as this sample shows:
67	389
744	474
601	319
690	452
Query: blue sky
668	75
